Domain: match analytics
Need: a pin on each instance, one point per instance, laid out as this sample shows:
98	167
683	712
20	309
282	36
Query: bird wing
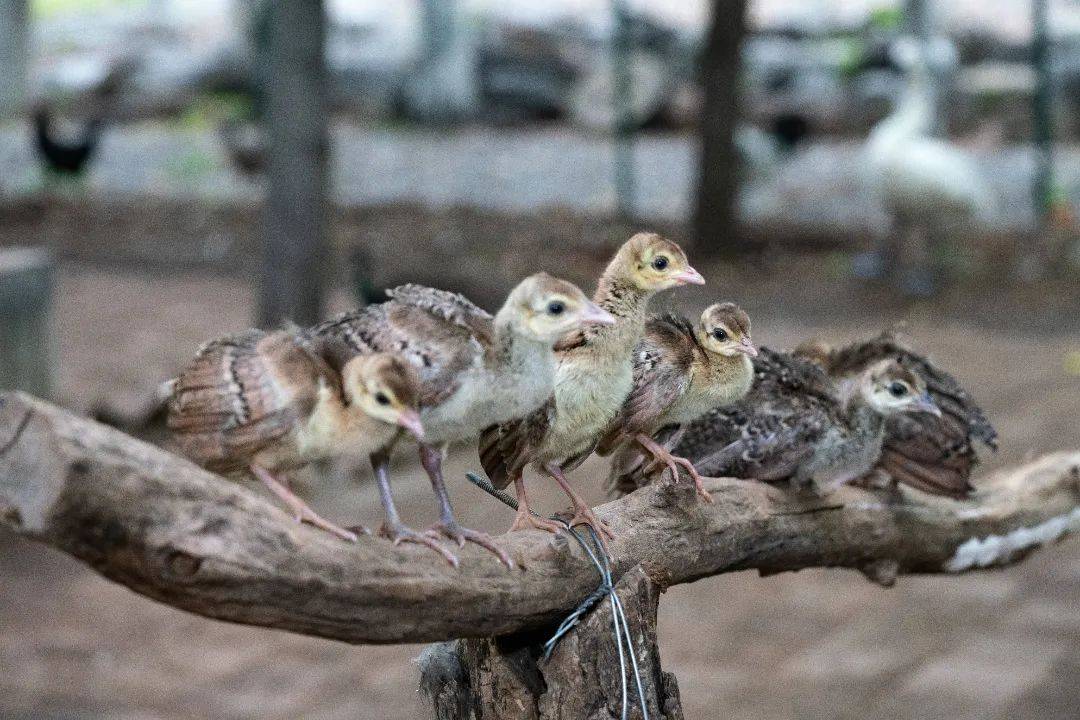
936	455
505	449
572	341
229	403
441	333
767	434
662	363
451	307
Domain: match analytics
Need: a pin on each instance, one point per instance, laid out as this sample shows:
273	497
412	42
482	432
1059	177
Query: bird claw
398	534
696	477
525	520
463	534
309	516
672	463
585	516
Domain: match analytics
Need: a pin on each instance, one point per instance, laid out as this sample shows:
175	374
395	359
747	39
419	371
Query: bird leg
525	519
673	463
582	512
299	508
431	458
392	527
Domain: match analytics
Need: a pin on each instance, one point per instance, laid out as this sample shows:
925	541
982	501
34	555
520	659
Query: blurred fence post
296	247
25	294
1042	103
14	31
715	219
622	86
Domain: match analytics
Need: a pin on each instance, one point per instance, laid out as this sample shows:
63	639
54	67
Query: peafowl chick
269	403
797	424
475	371
933	454
681	371
594	376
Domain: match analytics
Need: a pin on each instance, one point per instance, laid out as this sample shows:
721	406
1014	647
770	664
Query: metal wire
620	626
618	615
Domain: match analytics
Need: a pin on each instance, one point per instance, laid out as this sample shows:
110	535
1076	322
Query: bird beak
689	276
596	315
746	347
410	420
925	404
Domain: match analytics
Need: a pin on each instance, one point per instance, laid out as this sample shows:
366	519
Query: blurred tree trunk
715	221
295	235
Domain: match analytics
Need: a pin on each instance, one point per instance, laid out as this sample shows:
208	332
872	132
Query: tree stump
506	678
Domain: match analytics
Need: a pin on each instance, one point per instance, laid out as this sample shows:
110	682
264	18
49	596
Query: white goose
930	187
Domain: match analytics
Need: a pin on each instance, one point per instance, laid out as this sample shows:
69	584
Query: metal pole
917	20
1042	101
625	186
14	48
26	280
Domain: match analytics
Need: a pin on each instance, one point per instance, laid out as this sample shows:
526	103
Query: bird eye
898	389
382	399
660	263
719	334
555	308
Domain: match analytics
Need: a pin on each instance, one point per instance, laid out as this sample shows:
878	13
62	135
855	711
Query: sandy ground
820	644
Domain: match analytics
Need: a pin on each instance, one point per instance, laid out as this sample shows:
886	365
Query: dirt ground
819	644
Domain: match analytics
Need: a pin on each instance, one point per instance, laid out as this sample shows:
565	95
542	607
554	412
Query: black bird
69	156
65	156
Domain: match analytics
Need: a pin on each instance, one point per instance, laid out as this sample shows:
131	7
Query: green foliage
887	19
852	51
50	8
210	109
191	167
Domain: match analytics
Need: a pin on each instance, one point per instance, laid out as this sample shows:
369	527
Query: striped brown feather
936	455
230	403
662	362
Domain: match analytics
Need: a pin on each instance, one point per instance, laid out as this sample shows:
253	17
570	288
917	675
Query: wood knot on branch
657	575
881	572
182	565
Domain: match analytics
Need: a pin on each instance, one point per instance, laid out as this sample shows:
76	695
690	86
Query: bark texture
506	677
168	530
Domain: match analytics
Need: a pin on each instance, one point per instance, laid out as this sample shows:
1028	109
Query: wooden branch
163	527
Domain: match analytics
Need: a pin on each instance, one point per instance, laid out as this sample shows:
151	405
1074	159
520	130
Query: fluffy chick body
268	403
475	369
268	399
933	454
681	371
595	367
593	377
797	424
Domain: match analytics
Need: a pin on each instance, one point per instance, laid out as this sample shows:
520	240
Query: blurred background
172	170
